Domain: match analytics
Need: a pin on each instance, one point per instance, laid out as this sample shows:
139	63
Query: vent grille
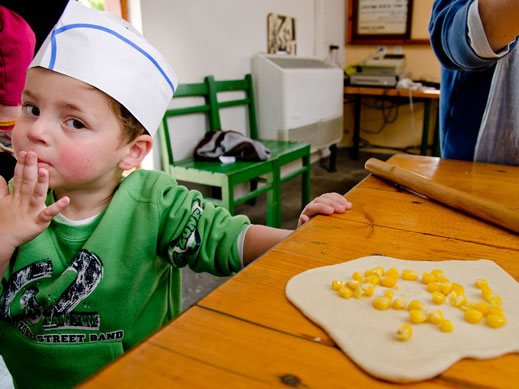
320	134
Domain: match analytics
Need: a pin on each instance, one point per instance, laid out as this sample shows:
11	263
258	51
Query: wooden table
399	96
246	333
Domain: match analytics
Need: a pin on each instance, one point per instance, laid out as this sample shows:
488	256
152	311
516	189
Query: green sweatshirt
76	297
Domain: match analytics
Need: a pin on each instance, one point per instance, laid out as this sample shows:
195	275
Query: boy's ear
137	150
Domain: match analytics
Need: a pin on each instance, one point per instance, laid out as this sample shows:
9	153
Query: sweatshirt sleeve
449	34
198	234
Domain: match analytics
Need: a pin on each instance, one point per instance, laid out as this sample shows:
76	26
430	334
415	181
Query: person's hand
23	213
325	204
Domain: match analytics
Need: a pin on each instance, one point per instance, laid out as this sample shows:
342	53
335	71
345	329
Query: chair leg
332	168
253	185
305	181
216	192
228	197
425	129
436	143
274	197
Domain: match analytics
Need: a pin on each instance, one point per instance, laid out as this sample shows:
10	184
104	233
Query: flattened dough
366	334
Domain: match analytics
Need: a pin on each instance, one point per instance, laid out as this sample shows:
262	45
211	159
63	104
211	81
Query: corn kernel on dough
367	335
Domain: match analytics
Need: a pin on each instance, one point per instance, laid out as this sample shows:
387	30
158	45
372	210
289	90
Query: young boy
92	266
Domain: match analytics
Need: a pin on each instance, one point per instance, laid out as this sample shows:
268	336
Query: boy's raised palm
23	213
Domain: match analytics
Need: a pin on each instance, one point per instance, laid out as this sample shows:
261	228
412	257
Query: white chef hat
104	51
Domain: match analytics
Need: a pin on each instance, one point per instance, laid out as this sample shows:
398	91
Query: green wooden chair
282	152
222	177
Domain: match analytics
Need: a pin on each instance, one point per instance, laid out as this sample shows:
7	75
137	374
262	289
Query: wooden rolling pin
487	210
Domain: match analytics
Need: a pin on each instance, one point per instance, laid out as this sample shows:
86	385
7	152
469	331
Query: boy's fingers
302	220
40	189
18	171
29	174
345	202
333	196
341	200
316	208
333	202
52	210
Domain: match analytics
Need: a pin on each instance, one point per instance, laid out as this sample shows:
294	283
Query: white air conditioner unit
298	99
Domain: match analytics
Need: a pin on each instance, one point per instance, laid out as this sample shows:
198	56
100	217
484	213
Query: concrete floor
6	381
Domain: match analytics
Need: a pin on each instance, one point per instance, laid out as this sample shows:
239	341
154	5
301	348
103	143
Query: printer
380	70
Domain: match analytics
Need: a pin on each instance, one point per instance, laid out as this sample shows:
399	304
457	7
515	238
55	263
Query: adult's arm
449	33
499	18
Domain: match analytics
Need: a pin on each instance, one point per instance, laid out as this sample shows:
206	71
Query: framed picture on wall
380	21
281	34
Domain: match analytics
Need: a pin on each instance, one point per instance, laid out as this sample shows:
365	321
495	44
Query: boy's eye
31	109
76	124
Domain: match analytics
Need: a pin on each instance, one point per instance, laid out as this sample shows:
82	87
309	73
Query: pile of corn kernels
441	289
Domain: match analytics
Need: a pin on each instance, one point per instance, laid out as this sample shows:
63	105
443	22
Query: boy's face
71	128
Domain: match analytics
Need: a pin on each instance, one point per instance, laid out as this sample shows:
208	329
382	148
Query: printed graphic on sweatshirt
180	249
24	304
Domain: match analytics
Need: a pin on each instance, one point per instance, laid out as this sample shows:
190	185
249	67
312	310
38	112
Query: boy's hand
325	204
23	213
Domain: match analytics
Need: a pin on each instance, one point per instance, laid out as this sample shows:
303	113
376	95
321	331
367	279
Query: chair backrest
194	90
210	90
217	88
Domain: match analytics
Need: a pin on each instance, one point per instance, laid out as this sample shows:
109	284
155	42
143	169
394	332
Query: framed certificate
380	21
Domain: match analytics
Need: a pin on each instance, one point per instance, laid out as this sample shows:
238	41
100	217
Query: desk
246	333
399	94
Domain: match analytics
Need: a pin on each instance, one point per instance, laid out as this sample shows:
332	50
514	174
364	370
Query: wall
200	37
421	63
219	37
